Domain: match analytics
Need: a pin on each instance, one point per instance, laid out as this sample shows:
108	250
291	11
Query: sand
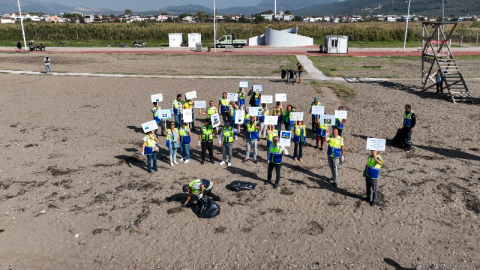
76	193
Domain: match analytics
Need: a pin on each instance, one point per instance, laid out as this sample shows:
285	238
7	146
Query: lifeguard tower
436	54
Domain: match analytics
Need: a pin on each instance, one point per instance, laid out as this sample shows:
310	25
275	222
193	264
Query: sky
145	5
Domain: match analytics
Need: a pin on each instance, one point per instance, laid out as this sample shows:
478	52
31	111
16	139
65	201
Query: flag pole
406	28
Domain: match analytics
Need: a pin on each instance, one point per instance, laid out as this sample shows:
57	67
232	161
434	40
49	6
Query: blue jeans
178	120
298	149
161	126
49	70
185	151
193	119
151	157
288	127
172	152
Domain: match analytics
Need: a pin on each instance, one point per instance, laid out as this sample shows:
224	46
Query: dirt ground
76	194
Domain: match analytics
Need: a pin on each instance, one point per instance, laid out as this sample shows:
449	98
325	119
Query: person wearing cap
199	188
300	72
185	139
315	117
251	135
371	173
149	143
335	153
224	107
274	161
205	139
177	107
160	122
339	122
263	127
226	142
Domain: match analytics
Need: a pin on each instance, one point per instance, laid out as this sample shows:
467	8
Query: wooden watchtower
436	55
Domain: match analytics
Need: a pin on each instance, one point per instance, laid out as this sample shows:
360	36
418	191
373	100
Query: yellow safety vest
211	111
151	141
173	135
335	146
271	134
276	154
373	168
207	133
227	135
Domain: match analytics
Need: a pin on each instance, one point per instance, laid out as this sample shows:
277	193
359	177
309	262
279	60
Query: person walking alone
371	173
335	153
47	61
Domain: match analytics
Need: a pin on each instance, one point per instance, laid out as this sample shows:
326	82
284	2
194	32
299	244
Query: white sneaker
236	139
181	159
175	162
229	164
223	162
171	164
187	160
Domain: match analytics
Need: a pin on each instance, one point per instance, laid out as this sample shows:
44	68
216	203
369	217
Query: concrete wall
281	38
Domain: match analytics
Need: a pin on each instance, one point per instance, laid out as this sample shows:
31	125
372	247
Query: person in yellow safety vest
173	143
299	138
274	160
315	117
241	99
177	107
251	134
226	142
278	112
205	139
254	98
371	173
224	107
149	143
322	133
339	122
231	117
263	127
271	132
335	153
188	105
286	118
200	188
211	111
160	122
409	122
185	139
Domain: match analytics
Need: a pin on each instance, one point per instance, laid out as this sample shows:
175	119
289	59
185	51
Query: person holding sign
271	132
371	173
231	117
210	111
227	138
241	99
409	121
173	143
275	154
185	143
339	122
335	153
299	139
188	105
315	103
263	127
149	142
160	122
278	112
177	106
251	133
224	107
254	98
286	118
205	139
321	133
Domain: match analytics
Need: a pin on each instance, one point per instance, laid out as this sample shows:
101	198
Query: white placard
165	114
271	120
255	111
318	110
257	88
157	98
281	97
200	104
187	116
243	84
285	137
232	97
341	114
376	144
215	120
191	95
328	120
149	126
296	116
239	117
266	99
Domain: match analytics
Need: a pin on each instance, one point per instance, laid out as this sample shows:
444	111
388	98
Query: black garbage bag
398	139
292	73
207	208
284	73
240	185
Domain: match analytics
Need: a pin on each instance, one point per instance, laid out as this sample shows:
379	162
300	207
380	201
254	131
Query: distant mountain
176	10
10	6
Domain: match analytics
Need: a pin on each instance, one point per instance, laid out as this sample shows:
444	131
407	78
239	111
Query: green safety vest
227	135
207	134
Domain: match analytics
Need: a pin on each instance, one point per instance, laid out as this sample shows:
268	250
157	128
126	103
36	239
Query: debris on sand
315	228
175	210
53	170
286	191
220	230
97	231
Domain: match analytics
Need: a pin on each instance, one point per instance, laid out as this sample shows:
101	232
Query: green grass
342	91
384	44
372	67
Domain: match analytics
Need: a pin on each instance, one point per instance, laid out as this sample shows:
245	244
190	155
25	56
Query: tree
201	15
128	12
259	18
243	19
297	18
112	16
288	12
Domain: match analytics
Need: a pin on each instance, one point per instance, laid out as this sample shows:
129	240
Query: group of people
179	136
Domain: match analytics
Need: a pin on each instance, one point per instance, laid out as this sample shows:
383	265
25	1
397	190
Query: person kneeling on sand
199	187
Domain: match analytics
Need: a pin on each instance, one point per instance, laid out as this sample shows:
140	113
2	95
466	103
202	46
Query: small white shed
194	38
336	44
174	39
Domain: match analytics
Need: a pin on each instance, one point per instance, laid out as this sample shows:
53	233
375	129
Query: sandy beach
76	193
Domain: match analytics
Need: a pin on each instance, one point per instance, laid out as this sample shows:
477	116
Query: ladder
454	81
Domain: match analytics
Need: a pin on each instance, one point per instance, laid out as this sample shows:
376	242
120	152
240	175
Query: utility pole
406	28
275	13
214	27
21	21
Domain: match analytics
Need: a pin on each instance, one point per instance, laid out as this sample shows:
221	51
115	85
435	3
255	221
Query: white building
268	17
89	18
287	17
7	20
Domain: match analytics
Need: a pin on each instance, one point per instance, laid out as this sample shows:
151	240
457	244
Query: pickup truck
227	40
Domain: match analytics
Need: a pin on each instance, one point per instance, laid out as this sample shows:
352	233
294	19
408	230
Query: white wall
284	38
175	39
193	38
